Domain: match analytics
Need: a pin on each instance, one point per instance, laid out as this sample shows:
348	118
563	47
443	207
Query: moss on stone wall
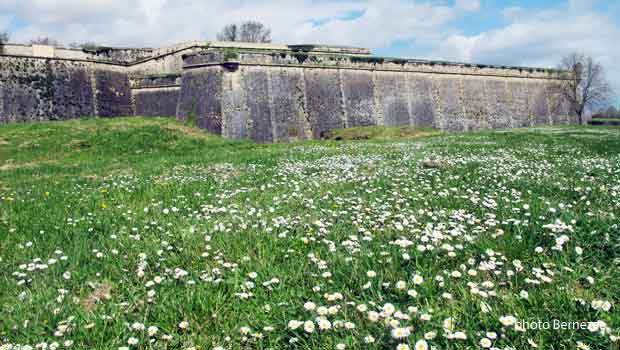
301	57
367	59
230	54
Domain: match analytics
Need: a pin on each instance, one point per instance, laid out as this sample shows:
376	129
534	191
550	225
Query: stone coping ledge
154	80
155	87
373	59
102	53
302	52
232	59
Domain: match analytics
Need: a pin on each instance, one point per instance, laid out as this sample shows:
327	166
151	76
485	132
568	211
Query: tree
611	112
249	31
584	85
45	40
229	33
90	46
255	32
4	38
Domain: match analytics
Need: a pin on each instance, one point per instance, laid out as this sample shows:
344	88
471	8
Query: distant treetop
45	40
84	46
249	31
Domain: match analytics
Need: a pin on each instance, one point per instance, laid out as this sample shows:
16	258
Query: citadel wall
282	96
39	82
37	89
271	92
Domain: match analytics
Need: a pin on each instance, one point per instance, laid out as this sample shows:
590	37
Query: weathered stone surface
324	100
475	106
113	94
519	106
158	102
256	88
73	94
200	98
42	89
559	107
500	114
359	97
422	109
236	121
394	95
450	103
539	108
287	104
274	92
155	81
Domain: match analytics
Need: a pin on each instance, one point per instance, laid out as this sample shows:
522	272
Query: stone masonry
273	93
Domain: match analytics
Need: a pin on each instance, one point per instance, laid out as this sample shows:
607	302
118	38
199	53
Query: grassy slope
121	196
380	133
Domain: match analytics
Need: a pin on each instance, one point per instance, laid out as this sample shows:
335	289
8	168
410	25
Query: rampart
270	92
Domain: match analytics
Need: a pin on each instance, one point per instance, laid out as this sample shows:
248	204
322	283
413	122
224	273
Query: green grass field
607	119
138	233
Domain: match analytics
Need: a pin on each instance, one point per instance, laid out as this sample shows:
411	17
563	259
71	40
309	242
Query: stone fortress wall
270	92
45	83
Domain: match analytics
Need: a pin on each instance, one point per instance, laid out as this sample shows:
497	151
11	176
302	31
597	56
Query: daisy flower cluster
450	242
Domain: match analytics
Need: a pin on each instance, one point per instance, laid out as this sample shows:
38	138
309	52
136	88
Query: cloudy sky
528	32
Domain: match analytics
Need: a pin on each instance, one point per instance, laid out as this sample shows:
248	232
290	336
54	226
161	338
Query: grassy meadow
144	233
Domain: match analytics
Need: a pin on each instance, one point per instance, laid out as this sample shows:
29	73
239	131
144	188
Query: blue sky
530	33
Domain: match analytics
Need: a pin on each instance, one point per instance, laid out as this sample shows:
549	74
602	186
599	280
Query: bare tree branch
250	31
4	38
255	32
229	33
45	41
84	46
584	85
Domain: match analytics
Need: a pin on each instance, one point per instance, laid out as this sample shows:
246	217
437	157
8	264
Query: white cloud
513	13
540	39
148	22
468	5
535	38
371	23
581	5
383	23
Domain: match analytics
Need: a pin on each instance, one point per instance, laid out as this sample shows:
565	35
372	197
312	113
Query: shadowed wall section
158	102
358	91
38	89
423	112
112	94
324	100
474	103
287	104
256	86
40	82
35	89
156	96
200	98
